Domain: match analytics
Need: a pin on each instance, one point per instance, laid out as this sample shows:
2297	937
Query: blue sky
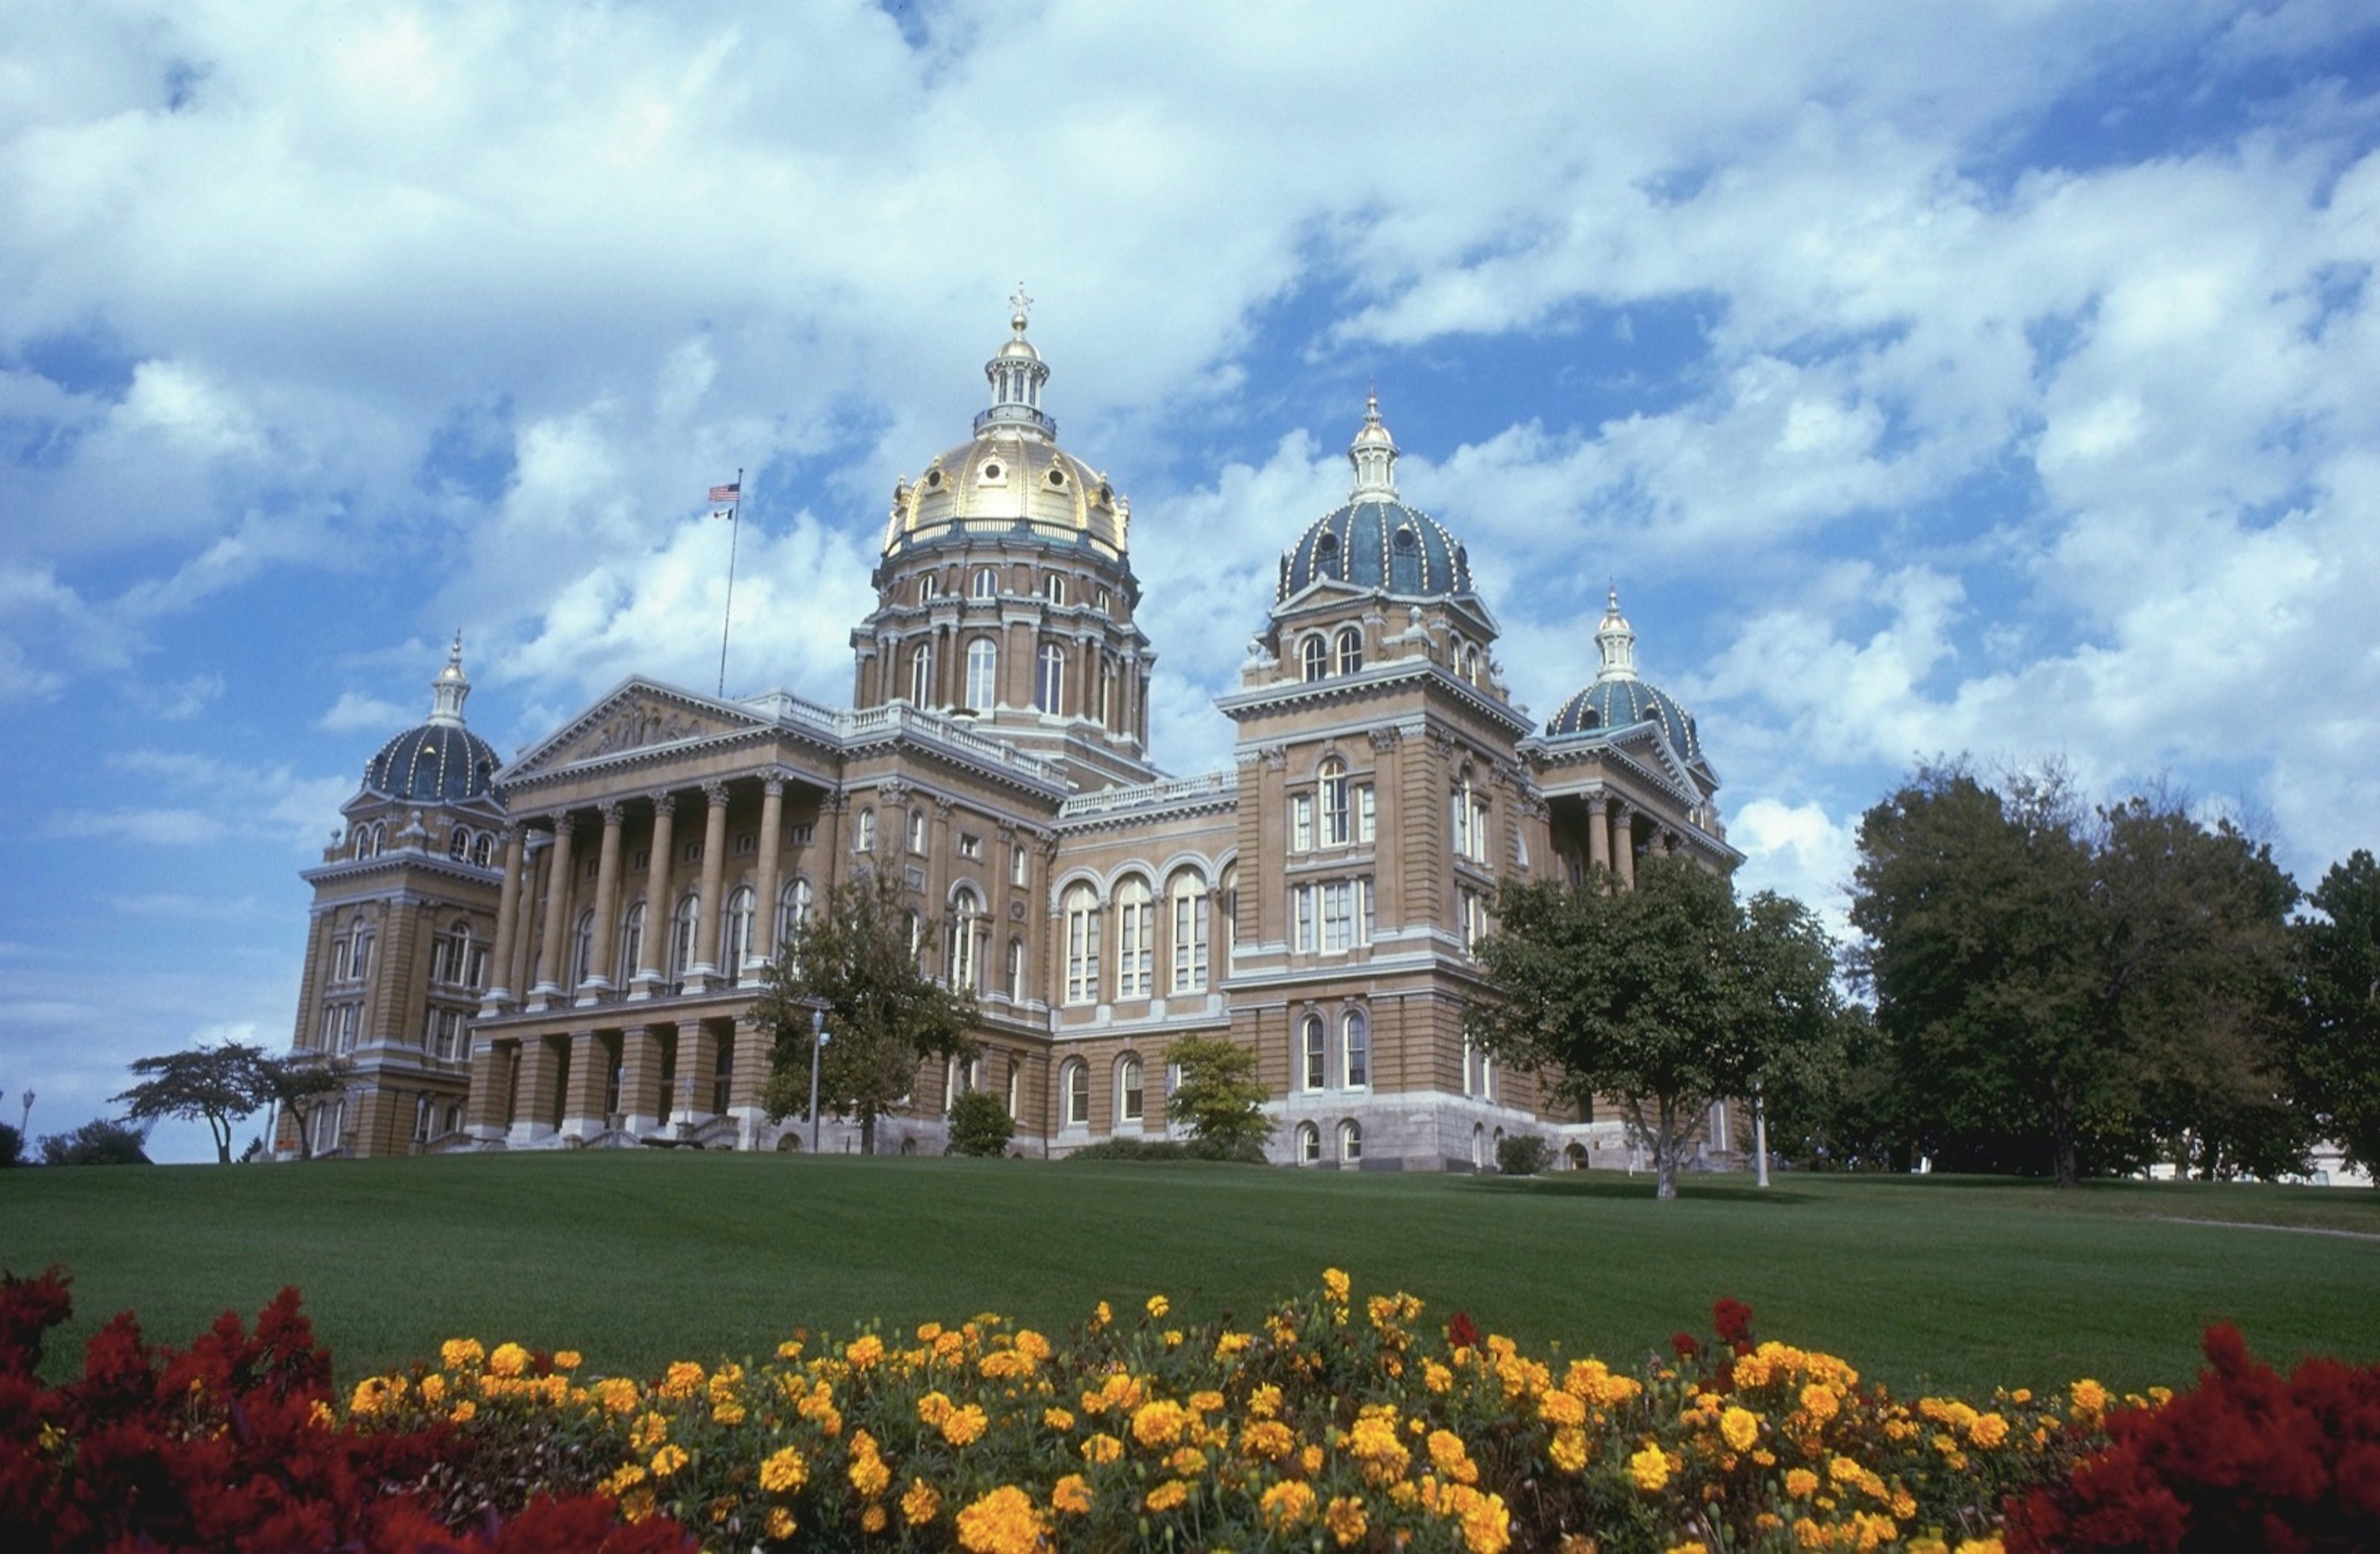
1999	379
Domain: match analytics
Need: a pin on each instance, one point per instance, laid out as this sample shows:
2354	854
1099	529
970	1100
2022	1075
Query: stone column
744	1086
640	1078
764	881
590	1075
658	905
705	969
1598	832
491	1100
540	852
697	1062
540	1090
551	973
500	954
1624	844
1388	811
607	908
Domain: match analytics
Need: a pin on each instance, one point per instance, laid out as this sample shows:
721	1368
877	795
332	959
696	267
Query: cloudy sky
1998	379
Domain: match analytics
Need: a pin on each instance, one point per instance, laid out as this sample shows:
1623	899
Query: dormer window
1313	657
1058	478
1326	554
1350	649
994	472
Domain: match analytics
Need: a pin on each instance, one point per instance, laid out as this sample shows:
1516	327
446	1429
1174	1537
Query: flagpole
734	514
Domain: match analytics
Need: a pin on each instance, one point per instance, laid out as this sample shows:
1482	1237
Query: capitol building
564	949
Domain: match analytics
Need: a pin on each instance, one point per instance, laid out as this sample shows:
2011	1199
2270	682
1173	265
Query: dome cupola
1619	700
440	761
1375	542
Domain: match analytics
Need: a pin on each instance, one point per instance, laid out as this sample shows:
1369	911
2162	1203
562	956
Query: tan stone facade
566	951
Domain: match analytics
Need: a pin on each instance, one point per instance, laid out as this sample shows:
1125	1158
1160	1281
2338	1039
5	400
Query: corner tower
1005	593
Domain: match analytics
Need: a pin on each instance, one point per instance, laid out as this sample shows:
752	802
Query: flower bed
1334	1421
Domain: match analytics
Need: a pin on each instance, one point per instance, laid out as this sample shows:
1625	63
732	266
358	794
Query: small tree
217	1086
857	959
12	1145
297	1083
1669	996
1220	1098
1522	1154
102	1141
980	1124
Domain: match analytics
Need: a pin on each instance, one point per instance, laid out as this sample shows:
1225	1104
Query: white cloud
354	711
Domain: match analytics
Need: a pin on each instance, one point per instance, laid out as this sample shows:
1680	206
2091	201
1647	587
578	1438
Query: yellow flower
510	1359
784	1471
872	1519
1058	1419
434	1389
1267	1439
1004	1522
1102	1315
1818	1400
1692	1546
964	1427
1447	1450
1649	1468
460	1354
1159	1305
2090	1399
1174	1338
1988	1430
928	1331
1159	1423
1072	1494
464	1411
615	1394
1335	1284
647	1432
1309	1459
919	1503
780	1524
1168	1495
868	1473
1801	1483
1435	1377
567	1359
1344	1518
1265	1401
1231	1343
320	1417
1187	1462
374	1393
683	1379
669	1459
1287	1504
625	1477
1567	1450
864	1352
1739	1427
1101	1449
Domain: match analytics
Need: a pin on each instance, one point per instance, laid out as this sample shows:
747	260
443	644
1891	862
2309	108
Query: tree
2336	958
12	1145
1218	1097
2062	990
296	1083
102	1141
980	1124
1669	996
859	959
214	1084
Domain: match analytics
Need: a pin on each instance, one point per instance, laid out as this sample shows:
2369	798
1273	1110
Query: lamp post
818	1044
26	1116
1760	1134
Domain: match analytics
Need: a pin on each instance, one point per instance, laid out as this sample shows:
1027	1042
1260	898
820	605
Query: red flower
1685	1345
1461	1333
1733	1320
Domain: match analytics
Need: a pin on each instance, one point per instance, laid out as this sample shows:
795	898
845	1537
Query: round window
991	471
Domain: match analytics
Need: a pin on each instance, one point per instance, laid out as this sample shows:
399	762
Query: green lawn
637	1259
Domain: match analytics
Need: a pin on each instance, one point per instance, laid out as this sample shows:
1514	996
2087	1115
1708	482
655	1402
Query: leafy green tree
1219	1098
2337	962
12	1145
980	1124
2064	989
298	1082
102	1141
1669	996
860	958
217	1086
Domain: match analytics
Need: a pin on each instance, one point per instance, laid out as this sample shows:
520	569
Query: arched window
921	674
1229	907
1350	650
1309	1144
632	943
982	675
451	957
913	928
1470	664
1479	1147
1077	1082
1332	783
1313	657
1082	946
1189	896
458	846
967	924
1135	936
1017	970
1054	587
1355	1049
1312	1071
917	830
378	837
987	583
582	947
1049	683
484	852
1130	1104
1105	693
1351	1141
927	587
793	909
682	932
736	929
863	832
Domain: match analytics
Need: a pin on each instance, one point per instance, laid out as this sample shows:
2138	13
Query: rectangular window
970	847
1366	811
1474	919
1189	943
802	834
1302	914
1081	954
1317	1052
1337	916
1017	868
917	830
748	843
642	861
1359	1052
1301	823
691	851
363	966
1363	910
1133	949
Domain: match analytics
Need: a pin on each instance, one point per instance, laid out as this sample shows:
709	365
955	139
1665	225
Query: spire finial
452	685
1374	455
1616	640
1020	308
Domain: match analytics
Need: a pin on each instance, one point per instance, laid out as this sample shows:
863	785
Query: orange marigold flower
778	1524
1159	1423
669	1459
1103	1448
872	1520
784	1471
1569	1450
460	1354
1159	1305
1344	1519
1287	1504
1335	1284
683	1379
2090	1399
1004	1522
1072	1494
1169	1495
920	1503
1649	1468
1057	1419
1739	1427
510	1359
864	1352
1267	1439
1452	1458
964	1427
1801	1483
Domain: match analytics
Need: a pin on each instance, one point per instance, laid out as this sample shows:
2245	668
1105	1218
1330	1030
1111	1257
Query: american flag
728	493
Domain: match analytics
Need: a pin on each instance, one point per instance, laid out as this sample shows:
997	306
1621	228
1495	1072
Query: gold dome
1012	478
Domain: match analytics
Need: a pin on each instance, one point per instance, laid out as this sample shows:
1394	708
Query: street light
818	1044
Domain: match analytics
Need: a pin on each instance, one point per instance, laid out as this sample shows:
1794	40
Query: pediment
637	715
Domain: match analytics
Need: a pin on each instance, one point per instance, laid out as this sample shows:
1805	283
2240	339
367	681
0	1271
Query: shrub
12	1146
2243	1460
1522	1154
980	1124
98	1142
1127	1149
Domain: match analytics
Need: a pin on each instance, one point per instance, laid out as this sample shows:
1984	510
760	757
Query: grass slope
637	1259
